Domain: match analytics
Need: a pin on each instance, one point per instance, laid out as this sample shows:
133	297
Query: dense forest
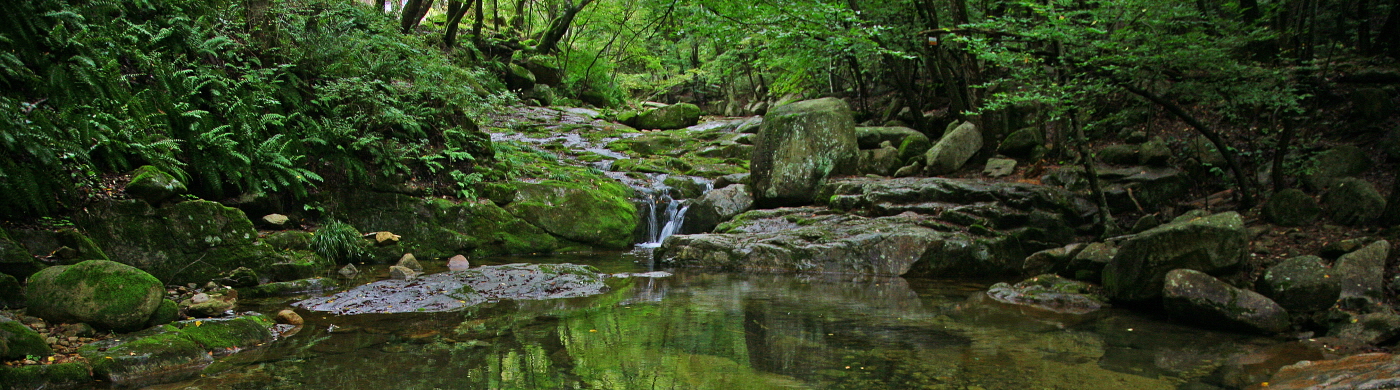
834	183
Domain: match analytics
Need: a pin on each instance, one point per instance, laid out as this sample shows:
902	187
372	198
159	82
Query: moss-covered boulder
299	265
715	207
883	161
172	352
598	213
1022	143
45	376
1193	297
674	116
104	294
1336	163
1212	244
872	137
1292	207
188	242
67	245
11	293
1361	273
18	341
953	150
544	71
153	185
167	312
439	228
14	259
1352	201
518	78
1051	293
798	147
1301	284
1119	154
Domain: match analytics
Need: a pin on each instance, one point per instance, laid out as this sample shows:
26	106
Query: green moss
18	341
62	375
216	334
167	312
597	213
188	242
289	240
99	292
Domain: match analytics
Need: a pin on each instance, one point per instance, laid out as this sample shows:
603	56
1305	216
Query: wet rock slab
454	290
1366	371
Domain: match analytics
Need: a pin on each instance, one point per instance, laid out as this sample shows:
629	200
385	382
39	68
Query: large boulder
674	116
715	207
67	245
518	78
1051	293
1292	207
798	147
456	290
1336	163
1370	328
18	341
883	161
101	293
1022	143
1301	284
1211	244
173	351
1362	272
1352	201
596	213
11	292
439	228
188	242
1194	297
153	185
953	150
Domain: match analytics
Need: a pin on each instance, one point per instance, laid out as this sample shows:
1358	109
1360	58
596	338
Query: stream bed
699	329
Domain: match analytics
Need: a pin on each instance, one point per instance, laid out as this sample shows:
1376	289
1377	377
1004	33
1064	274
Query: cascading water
664	215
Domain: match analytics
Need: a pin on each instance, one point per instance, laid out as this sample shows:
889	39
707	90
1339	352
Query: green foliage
229	96
339	242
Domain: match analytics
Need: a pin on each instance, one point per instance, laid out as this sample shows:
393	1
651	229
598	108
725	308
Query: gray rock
153	185
1352	201
999	167
349	271
1194	297
883	161
1371	328
732	179
1336	163
674	116
799	146
913	169
102	293
275	220
953	150
716	207
410	262
1022	143
458	263
1301	284
1051	293
455	290
299	286
872	137
1211	244
1119	154
1089	262
402	273
1155	153
1362	273
1050	260
1292	207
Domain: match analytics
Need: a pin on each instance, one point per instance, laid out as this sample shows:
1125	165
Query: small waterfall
664	216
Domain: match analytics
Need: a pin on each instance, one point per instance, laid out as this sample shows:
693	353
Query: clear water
708	330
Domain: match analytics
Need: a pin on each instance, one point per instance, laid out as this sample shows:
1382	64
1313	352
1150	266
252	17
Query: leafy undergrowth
230	96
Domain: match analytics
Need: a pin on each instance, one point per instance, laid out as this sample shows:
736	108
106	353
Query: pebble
458	263
289	317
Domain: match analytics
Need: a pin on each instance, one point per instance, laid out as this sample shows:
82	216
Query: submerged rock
798	147
1197	298
289	288
1211	244
174	351
1366	371
1049	292
105	294
454	290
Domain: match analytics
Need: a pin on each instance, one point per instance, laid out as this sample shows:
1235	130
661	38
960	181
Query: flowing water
708	330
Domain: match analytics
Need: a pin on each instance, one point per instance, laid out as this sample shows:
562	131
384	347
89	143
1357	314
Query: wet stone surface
455	290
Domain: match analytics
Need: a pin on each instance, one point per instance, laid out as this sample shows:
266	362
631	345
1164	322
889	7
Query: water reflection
700	330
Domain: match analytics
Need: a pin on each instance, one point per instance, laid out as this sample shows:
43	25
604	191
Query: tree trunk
1281	151
1086	160
1250	10
1391	216
1363	27
476	25
379	5
560	26
1241	179
455	11
406	20
1389	38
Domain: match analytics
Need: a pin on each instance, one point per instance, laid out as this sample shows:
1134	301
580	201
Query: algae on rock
187	242
102	293
598	213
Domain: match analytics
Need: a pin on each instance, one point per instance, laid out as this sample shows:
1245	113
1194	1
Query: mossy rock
288	288
1292	207
154	186
289	240
597	213
11	293
1213	244
683	187
957	146
167	312
172	352
872	137
674	116
299	265
518	78
14	259
188	242
1301	284
1336	163
1119	154
799	146
45	376
1353	202
1021	143
18	341
104	294
440	228
67	245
